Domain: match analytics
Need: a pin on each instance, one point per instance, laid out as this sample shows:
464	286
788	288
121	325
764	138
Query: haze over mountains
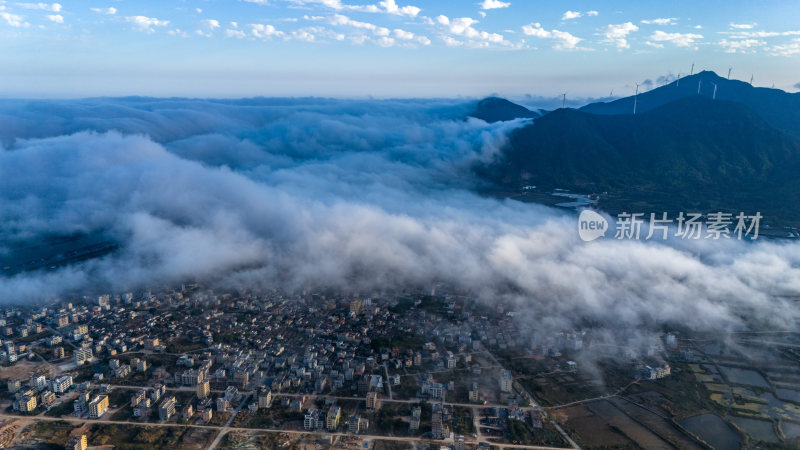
681	151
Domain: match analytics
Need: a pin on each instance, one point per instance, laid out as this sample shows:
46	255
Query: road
536	406
227	426
228	429
388	383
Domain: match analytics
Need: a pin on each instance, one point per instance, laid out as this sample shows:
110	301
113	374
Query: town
191	367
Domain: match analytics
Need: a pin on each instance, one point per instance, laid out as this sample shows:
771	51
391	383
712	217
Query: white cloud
660	21
57	18
342	20
741	46
145	23
762	34
391	7
451	42
53	7
462	26
790	49
617	34
402	34
239	34
211	24
383	6
564	40
742	26
592	13
13	20
110	11
678	39
569	15
303	35
385	41
494	4
262	31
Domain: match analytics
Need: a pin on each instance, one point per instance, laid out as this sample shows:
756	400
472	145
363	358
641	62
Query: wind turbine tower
692	72
699	83
635	97
564	100
751	79
729	72
714	97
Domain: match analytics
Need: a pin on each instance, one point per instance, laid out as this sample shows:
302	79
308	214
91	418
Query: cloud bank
358	196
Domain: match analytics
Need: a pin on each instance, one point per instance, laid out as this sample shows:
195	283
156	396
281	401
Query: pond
744	376
757	429
712	429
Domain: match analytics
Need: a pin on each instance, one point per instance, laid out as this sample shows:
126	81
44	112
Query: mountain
690	154
780	109
495	109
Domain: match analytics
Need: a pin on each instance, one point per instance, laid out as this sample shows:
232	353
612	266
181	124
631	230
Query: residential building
62	384
333	417
78	442
166	409
506	381
203	389
373	400
83	355
98	406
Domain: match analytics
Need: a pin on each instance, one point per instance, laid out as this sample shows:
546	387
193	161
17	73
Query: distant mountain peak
497	109
780	109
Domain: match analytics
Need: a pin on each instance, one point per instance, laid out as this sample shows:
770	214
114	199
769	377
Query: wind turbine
635	96
751	79
564	100
699	83
678	84
714	97
729	72
692	72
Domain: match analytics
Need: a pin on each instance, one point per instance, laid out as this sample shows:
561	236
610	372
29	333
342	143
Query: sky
386	48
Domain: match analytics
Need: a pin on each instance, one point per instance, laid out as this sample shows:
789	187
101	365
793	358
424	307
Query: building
459	443
222	404
437	428
203	389
357	424
27	403
313	420
14	385
38	382
78	442
265	398
474	393
207	415
58	352
62	384
450	361
188	412
373	401
83	355
506	381
192	377
167	409
138	397
48	398
333	417
98	406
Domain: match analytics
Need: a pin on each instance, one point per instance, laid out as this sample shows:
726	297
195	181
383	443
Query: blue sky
386	48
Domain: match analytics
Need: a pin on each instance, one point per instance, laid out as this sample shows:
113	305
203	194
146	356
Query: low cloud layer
358	196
